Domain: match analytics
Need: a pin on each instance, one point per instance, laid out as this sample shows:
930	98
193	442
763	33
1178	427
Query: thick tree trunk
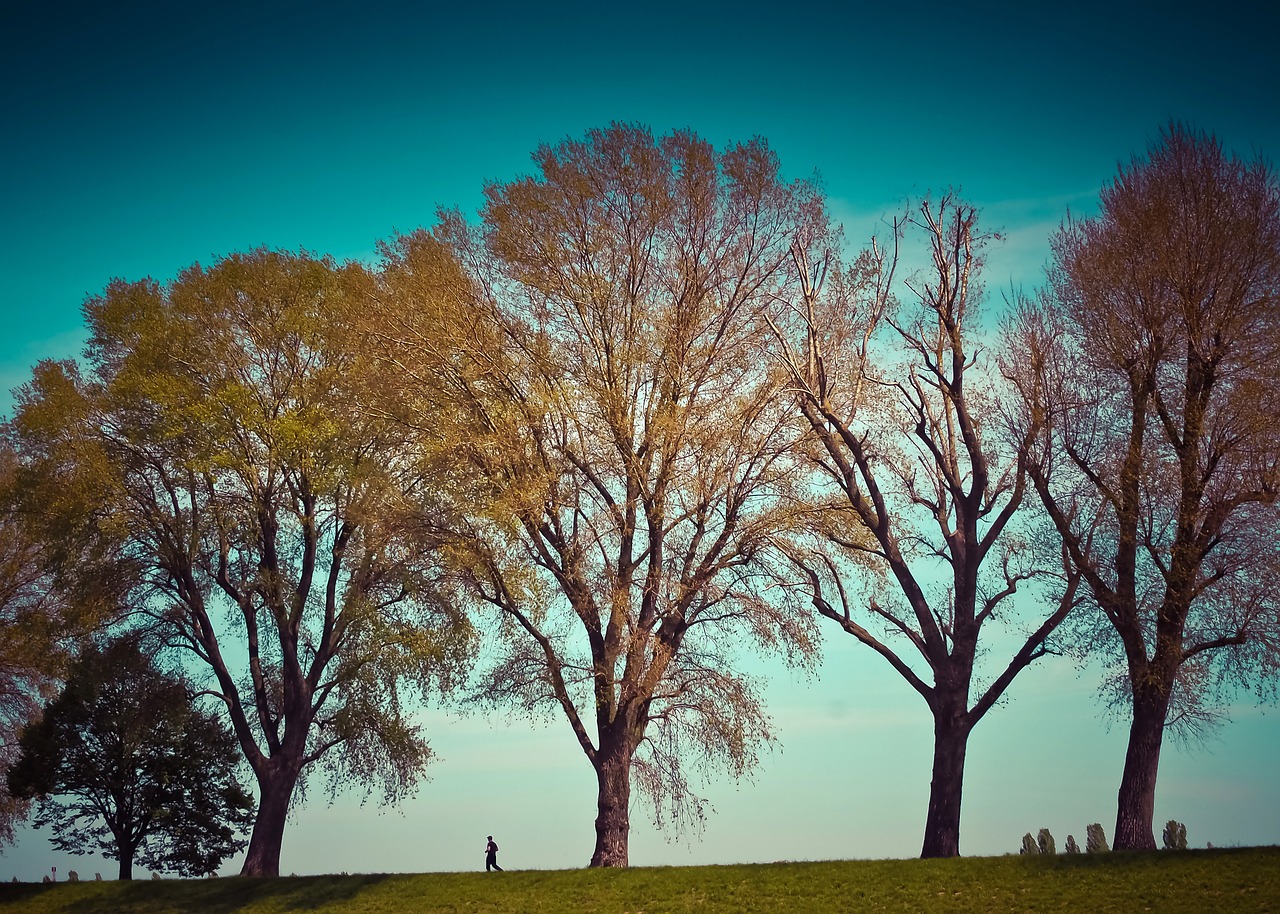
1136	806
126	865
275	792
613	817
950	742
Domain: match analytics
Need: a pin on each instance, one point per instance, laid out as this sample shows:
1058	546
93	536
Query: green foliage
122	763
1045	842
273	526
1243	881
1095	839
1175	836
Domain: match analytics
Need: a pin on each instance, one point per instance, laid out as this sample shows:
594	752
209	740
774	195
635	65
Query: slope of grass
1196	882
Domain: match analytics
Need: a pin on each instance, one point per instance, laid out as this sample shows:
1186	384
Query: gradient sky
138	138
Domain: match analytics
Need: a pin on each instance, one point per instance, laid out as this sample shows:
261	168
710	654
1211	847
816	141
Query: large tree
592	361
125	764
915	549
276	533
1148	368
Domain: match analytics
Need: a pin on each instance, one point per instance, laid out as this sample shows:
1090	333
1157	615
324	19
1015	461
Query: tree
278	535
593	361
1147	368
141	774
917	482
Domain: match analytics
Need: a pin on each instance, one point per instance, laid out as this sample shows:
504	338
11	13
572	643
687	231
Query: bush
1175	836
1095	839
1045	841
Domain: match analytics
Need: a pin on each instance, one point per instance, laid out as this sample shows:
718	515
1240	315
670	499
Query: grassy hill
1196	882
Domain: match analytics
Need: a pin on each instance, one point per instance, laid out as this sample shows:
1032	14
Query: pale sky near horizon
136	139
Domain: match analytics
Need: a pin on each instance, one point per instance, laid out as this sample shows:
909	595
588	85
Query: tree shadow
209	896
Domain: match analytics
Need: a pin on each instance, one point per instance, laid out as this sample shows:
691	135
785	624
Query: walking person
491	856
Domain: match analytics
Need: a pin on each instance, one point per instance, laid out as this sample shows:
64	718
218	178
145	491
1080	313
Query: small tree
1045	841
1072	847
1095	839
139	773
1175	836
1029	845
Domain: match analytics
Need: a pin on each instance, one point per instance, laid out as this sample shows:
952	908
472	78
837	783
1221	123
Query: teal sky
138	138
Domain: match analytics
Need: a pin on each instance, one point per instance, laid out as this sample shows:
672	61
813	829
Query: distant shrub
1045	841
1072	847
1175	836
1029	845
1095	839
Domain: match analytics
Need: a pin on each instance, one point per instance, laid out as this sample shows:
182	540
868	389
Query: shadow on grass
209	896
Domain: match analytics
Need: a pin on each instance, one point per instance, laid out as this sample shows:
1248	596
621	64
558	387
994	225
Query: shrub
1045	841
1175	836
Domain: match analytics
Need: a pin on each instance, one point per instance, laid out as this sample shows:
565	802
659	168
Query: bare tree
592	363
915	539
1148	371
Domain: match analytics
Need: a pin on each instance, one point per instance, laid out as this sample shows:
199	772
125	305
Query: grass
1236	880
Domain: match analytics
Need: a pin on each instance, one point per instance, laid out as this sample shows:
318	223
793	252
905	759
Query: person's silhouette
491	856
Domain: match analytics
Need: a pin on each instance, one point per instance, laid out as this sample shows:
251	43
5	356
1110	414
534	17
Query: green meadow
1234	880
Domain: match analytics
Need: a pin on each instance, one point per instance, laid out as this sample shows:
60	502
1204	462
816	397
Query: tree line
647	411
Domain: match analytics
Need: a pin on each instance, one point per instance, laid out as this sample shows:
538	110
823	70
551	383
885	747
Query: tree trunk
1136	805
126	864
275	792
613	804
950	742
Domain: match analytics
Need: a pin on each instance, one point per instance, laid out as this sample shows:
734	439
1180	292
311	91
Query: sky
138	138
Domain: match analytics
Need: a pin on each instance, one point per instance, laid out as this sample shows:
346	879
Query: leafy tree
1095	839
1044	840
126	765
1175	836
592	360
277	533
1152	410
920	483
